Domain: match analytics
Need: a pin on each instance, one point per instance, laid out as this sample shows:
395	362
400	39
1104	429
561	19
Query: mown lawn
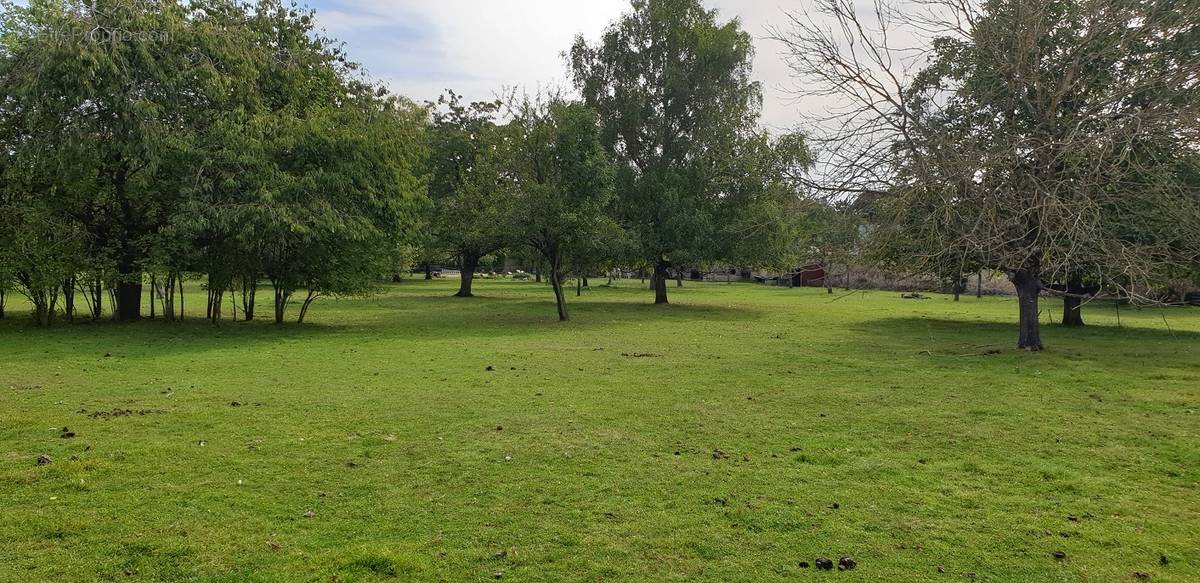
908	434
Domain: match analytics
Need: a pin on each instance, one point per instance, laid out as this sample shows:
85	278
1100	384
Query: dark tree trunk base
1073	301
467	275
559	296
1072	312
1029	287
660	282
129	300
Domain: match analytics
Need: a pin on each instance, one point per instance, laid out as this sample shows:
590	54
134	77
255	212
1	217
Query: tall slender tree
563	183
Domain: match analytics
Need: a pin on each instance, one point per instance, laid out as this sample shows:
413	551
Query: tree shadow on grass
22	341
437	317
415	313
1097	344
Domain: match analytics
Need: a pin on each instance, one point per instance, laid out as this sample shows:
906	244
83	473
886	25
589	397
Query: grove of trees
149	143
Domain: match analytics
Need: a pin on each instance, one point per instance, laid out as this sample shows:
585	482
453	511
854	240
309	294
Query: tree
466	183
121	74
763	217
672	87
1014	142
563	183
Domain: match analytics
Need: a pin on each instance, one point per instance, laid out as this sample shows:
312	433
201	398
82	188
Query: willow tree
671	84
1021	140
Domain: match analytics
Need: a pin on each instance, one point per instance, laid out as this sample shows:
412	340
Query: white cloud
479	47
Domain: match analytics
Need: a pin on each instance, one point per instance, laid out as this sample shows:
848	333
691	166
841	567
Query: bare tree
1041	138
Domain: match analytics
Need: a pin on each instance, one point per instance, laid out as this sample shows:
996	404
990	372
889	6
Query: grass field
726	437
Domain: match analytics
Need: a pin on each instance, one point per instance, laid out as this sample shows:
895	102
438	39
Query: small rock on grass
1142	575
803	564
847	563
43	459
719	455
309	514
824	564
1059	555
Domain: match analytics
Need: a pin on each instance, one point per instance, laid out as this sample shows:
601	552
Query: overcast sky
478	47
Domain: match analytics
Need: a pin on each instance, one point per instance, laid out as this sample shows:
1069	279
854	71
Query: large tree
101	86
671	83
1022	143
467	184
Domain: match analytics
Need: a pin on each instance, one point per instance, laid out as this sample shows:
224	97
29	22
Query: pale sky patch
479	47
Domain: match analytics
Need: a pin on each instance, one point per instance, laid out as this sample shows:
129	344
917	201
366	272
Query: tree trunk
679	278
44	301
1073	304
559	297
467	274
281	301
180	278
979	285
249	291
660	281
585	281
97	307
68	291
1028	283
129	292
153	290
578	286
428	270
308	300
828	279
216	300
2	300
166	297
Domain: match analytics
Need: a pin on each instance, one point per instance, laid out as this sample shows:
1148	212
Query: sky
479	47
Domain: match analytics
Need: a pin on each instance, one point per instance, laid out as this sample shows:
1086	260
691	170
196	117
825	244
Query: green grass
588	453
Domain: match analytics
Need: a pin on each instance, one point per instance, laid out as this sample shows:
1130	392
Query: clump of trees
145	143
149	140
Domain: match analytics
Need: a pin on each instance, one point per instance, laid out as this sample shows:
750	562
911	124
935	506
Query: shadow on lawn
22	341
405	312
1097	343
435	317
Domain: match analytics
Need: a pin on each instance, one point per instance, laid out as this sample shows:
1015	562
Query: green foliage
671	84
563	184
209	136
466	183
